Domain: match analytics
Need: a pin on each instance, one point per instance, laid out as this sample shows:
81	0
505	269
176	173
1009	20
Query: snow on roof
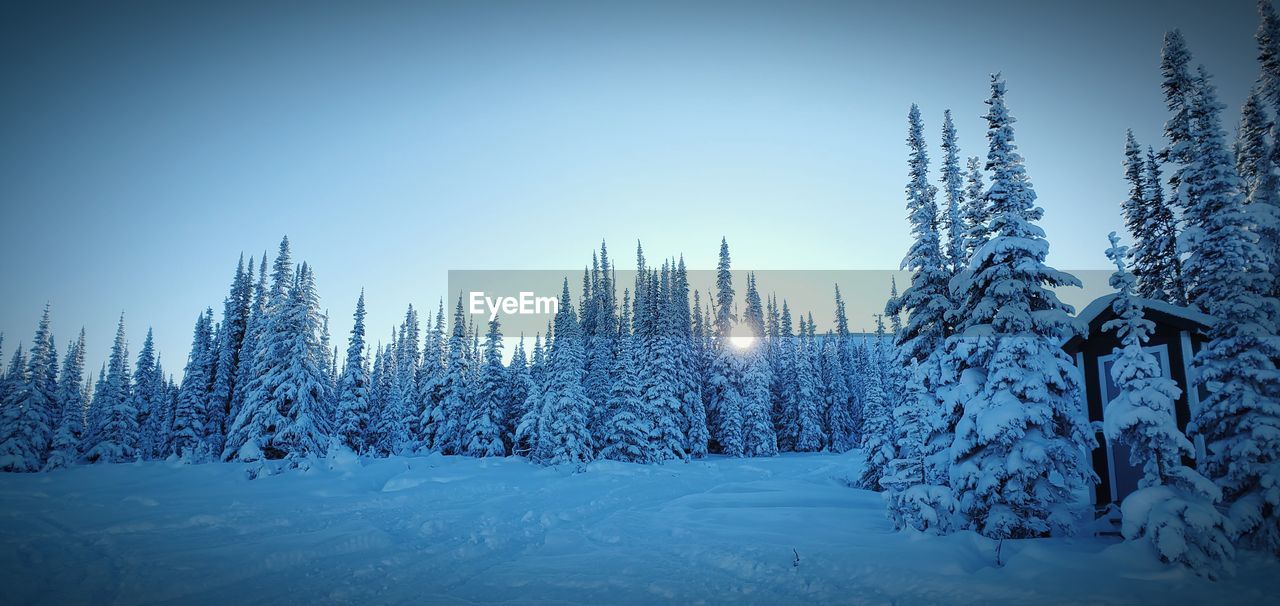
1103	303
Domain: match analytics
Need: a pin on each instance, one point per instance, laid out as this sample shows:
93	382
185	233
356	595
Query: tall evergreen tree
1019	455
562	435
758	436
188	440
431	376
517	393
925	301
28	420
953	185
1230	280
148	399
1268	38
1173	508
246	365
810	434
70	402
296	384
724	408
626	430
236	310
392	421
660	381
483	436
976	215
1180	91
1161	241
1256	168
353	388
117	438
455	387
877	420
1138	217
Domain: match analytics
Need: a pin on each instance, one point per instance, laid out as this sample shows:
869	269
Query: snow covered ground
449	530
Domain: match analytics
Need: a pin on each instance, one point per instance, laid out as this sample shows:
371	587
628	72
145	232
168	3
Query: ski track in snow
452	530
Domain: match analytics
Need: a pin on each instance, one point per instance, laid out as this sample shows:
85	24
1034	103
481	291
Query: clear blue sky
145	145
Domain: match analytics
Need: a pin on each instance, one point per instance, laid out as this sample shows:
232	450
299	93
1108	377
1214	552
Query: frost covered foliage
352	415
484	428
71	402
1229	274
287	413
1019	455
916	484
1150	221
1174	508
562	436
661	381
28	418
626	433
918	498
1183	526
115	433
1265	182
877	424
925	301
758	437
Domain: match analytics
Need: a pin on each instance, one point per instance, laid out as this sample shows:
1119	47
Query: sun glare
742	342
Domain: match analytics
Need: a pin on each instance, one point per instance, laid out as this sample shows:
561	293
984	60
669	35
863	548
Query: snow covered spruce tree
391	420
236	310
725	397
953	186
526	431
976	215
483	437
599	327
188	441
877	415
833	378
449	418
1173	508
258	419
1268	38
692	423
758	437
1261	182
811	434
516	391
352	423
563	437
288	411
1020	448
245	364
28	419
780	349
147	397
1180	89
297	384
660	381
1229	277
915	497
1150	221
117	436
845	384
626	430
431	377
70	403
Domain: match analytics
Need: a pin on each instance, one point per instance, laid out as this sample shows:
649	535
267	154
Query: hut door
1124	475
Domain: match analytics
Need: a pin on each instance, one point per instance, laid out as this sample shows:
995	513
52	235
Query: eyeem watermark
525	304
514	296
